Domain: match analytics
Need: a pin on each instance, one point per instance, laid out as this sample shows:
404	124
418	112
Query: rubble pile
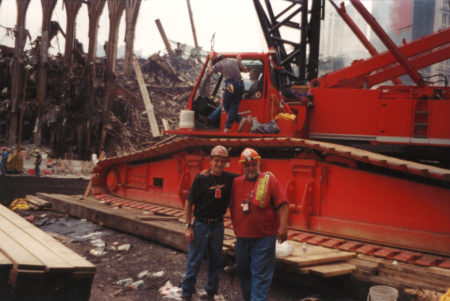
69	109
170	82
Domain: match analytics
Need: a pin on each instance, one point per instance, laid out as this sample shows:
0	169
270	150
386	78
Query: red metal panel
385	115
439	127
376	199
368	206
344	112
394	117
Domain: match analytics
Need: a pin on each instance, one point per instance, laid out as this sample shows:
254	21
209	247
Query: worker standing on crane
4	159
234	87
259	211
210	196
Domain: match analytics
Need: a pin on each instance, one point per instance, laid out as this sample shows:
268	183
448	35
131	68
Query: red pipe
413	73
343	13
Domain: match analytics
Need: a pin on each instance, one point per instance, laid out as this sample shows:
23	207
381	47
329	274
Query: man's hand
283	214
281	234
189	234
205	172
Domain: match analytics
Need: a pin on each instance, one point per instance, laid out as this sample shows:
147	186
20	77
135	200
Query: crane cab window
253	79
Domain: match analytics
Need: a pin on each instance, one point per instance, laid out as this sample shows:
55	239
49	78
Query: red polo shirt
260	222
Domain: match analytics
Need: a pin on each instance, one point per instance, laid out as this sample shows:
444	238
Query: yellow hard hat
37	151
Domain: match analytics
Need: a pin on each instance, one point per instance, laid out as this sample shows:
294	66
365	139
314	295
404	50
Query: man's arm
283	215
189	234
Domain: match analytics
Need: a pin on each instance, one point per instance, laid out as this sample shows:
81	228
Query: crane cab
262	104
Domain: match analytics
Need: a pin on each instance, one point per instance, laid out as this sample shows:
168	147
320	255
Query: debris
70	110
97	252
98	242
39	221
230	268
156	274
124	247
116	292
142	274
124	281
19	204
304	248
284	249
169	291
136	284
76	230
111	248
31	218
428	295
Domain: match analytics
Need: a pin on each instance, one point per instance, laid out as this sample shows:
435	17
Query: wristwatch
189	226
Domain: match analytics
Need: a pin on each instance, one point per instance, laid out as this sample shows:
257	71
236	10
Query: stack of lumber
37	203
400	275
35	266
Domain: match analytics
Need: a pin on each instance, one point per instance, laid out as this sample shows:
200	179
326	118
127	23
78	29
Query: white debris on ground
169	291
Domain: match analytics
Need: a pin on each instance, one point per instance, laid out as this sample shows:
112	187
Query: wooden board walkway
318	260
323	261
35	265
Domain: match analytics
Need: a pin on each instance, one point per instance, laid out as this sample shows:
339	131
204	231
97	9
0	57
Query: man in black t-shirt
210	196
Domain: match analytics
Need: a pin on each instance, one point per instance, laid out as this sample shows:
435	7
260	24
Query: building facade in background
414	19
403	20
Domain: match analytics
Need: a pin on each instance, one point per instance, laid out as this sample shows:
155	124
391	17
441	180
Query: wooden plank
165	124
5	267
20	256
37	201
310	249
5	263
170	233
418	280
332	270
371	267
62	256
22	236
315	259
314	255
89	187
146	98
26	279
155	218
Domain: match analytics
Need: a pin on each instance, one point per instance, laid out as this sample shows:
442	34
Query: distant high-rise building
411	20
339	47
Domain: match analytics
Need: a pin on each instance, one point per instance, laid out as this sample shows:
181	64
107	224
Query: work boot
241	124
208	297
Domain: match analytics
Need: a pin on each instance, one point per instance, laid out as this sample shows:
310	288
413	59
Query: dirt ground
159	263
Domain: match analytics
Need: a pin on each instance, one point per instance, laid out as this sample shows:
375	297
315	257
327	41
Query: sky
234	23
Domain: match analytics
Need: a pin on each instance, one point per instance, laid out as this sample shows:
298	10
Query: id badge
218	193
245	205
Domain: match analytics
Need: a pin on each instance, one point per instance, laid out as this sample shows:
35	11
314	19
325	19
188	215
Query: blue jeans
255	260
3	167
215	115
37	171
208	239
231	102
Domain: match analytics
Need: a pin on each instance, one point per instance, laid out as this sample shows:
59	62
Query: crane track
182	143
402	168
376	250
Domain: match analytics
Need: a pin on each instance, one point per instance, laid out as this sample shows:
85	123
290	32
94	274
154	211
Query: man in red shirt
259	211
